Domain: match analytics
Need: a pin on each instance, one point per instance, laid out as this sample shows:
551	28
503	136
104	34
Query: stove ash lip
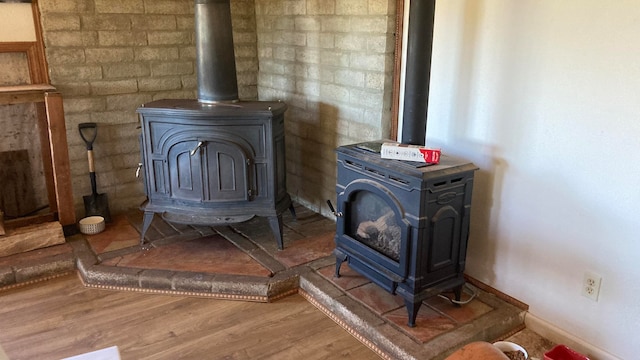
215	54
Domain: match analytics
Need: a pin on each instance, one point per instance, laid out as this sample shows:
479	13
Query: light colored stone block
84	105
321	7
320	40
172	68
156	53
382	7
121	38
66	56
156	38
61	21
160	84
125	70
119	7
375	81
64	39
352	42
169	7
335	58
76	72
366	61
334	92
105	22
114	87
306	55
352	7
64	6
155	22
348	77
335	24
126	101
307	23
109	55
376	24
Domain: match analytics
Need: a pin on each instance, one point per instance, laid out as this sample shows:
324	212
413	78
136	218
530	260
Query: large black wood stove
404	225
214	160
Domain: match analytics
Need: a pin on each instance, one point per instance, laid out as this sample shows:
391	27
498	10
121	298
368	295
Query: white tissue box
416	153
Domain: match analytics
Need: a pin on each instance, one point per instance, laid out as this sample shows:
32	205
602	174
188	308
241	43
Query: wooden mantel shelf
51	128
19	94
26	87
53	137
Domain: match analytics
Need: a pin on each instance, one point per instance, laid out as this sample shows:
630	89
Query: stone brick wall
108	57
332	62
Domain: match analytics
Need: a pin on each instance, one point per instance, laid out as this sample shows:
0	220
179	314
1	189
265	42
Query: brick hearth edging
219	286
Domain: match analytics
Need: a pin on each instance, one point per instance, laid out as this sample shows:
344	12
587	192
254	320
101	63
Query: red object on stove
563	352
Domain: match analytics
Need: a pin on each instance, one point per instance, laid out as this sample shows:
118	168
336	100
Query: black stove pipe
215	57
418	71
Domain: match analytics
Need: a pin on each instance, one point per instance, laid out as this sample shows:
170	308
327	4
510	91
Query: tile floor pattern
436	316
214	254
203	252
309	238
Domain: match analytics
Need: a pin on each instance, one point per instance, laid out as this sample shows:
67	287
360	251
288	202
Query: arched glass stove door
374	225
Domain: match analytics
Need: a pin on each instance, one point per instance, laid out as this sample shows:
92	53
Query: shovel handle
94	186
92	130
92	167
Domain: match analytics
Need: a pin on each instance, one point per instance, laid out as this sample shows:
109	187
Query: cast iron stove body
403	225
214	164
214	160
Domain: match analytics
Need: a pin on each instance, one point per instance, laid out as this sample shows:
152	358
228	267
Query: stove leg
412	311
146	222
340	258
276	227
292	210
457	291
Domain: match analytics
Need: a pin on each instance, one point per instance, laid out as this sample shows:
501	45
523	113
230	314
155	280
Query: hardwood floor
61	318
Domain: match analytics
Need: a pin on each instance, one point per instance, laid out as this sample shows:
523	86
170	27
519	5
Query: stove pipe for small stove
215	57
418	71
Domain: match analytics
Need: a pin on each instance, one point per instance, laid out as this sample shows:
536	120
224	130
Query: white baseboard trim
559	336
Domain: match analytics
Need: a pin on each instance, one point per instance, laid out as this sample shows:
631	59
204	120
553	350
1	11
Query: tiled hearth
242	262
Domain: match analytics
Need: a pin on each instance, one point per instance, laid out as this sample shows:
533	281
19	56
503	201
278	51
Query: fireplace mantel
55	152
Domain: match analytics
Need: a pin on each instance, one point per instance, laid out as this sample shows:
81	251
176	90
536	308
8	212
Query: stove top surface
370	152
222	108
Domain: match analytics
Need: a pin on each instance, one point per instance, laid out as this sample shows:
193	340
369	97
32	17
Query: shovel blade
97	205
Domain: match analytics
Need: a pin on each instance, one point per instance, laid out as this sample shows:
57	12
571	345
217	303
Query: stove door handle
337	214
194	151
138	170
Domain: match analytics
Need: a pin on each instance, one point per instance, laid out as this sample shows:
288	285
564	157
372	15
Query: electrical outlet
591	285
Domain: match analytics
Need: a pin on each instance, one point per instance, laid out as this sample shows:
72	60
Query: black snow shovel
94	204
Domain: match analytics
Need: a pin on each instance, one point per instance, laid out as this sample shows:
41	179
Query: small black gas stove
403	225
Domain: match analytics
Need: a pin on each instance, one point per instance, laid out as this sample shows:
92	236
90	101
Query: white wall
544	96
16	23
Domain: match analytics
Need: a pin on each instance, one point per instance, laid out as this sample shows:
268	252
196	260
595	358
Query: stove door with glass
373	227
